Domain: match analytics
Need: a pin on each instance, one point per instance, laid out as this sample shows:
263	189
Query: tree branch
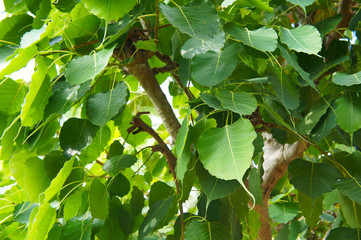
276	160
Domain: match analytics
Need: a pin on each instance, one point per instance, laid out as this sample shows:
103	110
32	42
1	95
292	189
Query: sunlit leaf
183	149
344	79
12	96
44	221
98	200
109	10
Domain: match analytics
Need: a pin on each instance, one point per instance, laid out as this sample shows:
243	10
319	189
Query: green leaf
22	57
72	205
311	208
119	163
102	107
327	25
78	228
58	182
309	121
119	185
32	37
149	45
355	20
109	10
350	187
183	148
35	178
136	202
291	59
344	79
211	68
351	210
204	230
53	163
298	39
195	46
213	187
239	102
81	69
344	233
86	26
211	101
38	95
324	126
22	212
198	19
263	39
159	191
44	220
285	89
283	212
302	3
98	200
348	112
226	152
12	96
156	216
75	135
314	179
255	186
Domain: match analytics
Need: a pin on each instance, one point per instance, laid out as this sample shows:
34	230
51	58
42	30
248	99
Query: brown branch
344	8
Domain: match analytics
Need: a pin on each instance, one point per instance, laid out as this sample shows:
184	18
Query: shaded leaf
350	187
211	100
344	233
183	148
22	212
78	228
119	185
255	185
204	230
298	39
102	107
302	3
72	205
314	179
119	163
159	191
81	69
226	152
239	102
136	202
198	19
311	208
76	134
263	39
327	25
211	68
351	210
324	126
348	112
98	200
109	10
149	45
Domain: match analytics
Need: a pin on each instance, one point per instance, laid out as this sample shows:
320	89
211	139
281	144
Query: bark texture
276	160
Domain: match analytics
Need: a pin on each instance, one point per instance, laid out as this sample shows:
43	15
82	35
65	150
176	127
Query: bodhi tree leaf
350	187
351	210
35	178
119	162
344	79
101	107
311	208
264	39
213	187
98	200
211	101
79	228
76	134
211	68
149	45
12	96
348	112
298	39
327	25
198	19
314	179
119	185
204	230
283	211
81	69
183	149
302	3
43	222
109	10
239	102
226	152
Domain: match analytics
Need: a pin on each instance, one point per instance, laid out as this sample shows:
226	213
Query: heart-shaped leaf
348	112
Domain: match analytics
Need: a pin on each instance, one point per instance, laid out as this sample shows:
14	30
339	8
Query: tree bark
276	160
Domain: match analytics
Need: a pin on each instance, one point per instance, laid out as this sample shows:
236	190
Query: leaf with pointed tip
81	69
211	101
102	107
35	178
75	135
198	19
183	149
110	9
344	79
311	208
264	39
298	39
118	185
302	3
226	152
351	210
239	102
283	212
211	68
327	25
204	230
12	96
98	200
79	228
348	112
314	179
